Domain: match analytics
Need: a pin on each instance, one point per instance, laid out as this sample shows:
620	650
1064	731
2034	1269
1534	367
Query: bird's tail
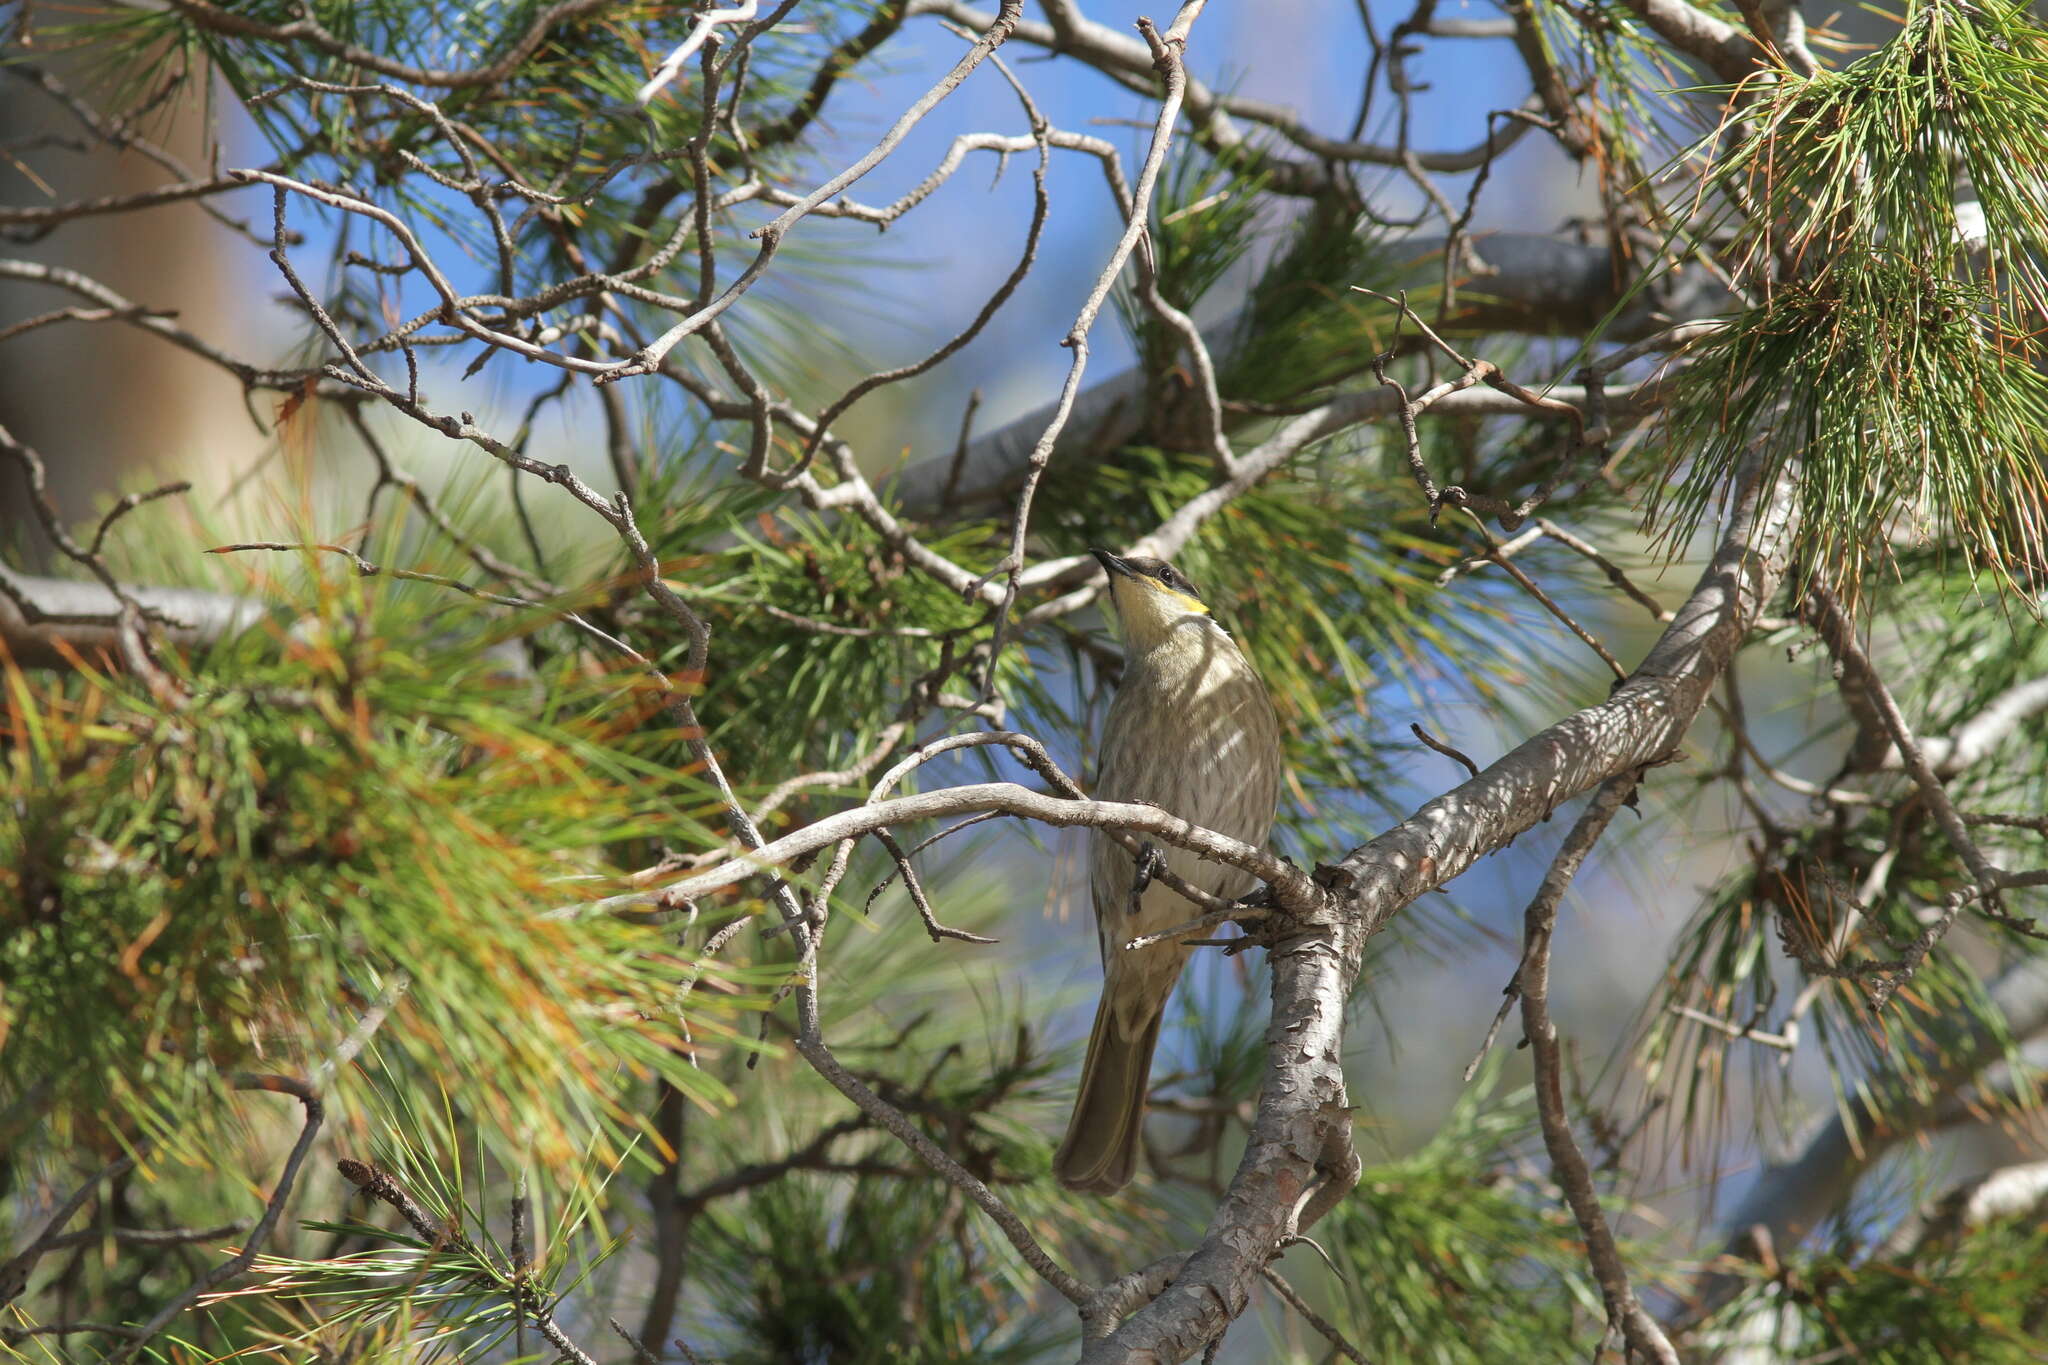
1100	1151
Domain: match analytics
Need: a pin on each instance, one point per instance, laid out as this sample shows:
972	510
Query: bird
1192	730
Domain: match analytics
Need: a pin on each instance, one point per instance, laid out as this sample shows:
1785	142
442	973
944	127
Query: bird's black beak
1114	565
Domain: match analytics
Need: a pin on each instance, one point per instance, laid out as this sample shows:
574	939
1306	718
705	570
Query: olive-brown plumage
1191	730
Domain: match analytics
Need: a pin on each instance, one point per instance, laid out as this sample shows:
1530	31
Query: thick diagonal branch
1294	1166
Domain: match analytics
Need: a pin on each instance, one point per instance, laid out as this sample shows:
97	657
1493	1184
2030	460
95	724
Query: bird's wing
1110	868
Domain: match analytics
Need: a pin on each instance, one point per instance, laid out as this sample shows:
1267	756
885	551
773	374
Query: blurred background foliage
387	807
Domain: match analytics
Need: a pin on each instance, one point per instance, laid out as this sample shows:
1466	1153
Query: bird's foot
1151	862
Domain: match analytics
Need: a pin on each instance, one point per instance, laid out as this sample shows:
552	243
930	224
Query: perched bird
1191	730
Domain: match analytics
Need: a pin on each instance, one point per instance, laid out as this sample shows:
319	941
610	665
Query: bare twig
672	65
1014	1228
306	29
133	641
1167	50
1840	635
366	569
1530	586
148	1237
127	503
1324	1328
1446	750
1624	1312
1041	209
1205	923
964	800
273	1208
915	887
15	1271
648	358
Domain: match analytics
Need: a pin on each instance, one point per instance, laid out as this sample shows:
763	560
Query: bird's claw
1151	862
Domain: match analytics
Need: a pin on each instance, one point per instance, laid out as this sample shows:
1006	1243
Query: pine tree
550	865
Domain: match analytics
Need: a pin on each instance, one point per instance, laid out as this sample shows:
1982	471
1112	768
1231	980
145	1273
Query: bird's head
1153	600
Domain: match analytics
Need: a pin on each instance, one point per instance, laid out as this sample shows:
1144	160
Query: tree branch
308	30
1791	1198
1298	1162
1007	797
1539	284
1983	732
1726	50
273	1208
1625	1313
